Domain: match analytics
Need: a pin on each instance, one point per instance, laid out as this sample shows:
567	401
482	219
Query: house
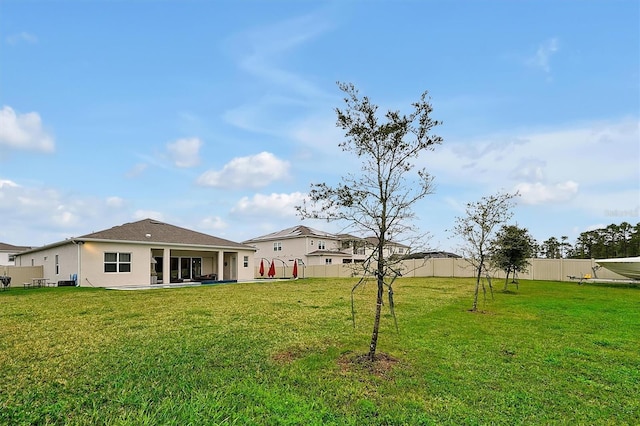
312	247
8	253
146	252
391	248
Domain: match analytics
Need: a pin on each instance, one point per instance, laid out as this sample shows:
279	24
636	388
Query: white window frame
321	245
120	262
277	246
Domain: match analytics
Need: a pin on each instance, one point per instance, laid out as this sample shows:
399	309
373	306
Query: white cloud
24	131
254	171
600	154
21	37
261	48
529	170
50	215
267	206
185	152
4	183
64	218
214	223
115	202
263	53
539	193
542	57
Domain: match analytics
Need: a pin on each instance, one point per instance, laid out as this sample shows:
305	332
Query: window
117	262
320	245
400	250
327	261
57	266
277	246
246	261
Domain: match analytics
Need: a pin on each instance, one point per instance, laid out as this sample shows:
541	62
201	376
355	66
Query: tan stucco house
8	253
312	247
142	253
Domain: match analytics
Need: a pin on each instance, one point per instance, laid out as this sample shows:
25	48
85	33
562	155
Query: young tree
511	250
379	200
477	230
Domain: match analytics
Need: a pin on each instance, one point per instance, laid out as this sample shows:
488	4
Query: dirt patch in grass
382	366
291	354
288	356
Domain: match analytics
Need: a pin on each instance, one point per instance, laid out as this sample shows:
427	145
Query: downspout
79	257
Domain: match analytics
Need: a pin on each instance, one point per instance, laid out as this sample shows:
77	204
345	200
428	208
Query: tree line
614	240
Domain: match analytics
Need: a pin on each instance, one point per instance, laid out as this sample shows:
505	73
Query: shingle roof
293	232
149	230
432	254
12	248
328	253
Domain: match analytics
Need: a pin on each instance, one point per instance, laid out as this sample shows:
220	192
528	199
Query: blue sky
218	115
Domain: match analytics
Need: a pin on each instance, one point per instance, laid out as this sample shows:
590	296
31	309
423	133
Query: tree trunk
506	280
475	295
376	323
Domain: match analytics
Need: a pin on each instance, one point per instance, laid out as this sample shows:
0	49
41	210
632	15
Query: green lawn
283	353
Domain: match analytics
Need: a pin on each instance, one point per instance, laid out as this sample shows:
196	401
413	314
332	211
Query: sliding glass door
185	268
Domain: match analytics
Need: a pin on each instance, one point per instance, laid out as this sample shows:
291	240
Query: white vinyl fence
540	269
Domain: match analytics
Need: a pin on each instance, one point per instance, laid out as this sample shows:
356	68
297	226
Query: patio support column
221	265
166	266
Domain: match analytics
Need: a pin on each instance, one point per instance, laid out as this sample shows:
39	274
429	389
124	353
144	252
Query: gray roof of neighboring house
12	248
305	231
293	232
432	254
328	253
149	230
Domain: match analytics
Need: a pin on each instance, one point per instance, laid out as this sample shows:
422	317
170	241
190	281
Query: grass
285	353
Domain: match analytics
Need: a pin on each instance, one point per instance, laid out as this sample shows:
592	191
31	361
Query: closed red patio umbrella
295	268
262	267
272	269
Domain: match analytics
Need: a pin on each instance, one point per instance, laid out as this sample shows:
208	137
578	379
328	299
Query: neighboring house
142	253
8	253
312	247
391	248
